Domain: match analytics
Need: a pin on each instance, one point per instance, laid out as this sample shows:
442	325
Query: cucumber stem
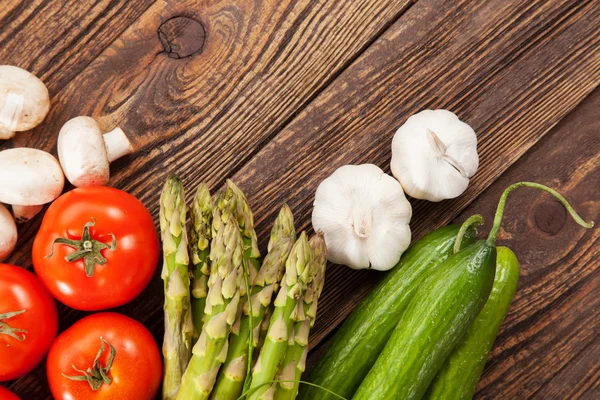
472	220
500	210
249	391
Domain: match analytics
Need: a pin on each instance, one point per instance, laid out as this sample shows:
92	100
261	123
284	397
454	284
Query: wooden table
276	94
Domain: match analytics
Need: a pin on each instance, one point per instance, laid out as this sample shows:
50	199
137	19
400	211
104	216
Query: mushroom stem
25	213
117	144
6	134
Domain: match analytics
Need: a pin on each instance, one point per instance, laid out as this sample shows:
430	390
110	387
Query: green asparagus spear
226	275
289	308
232	201
178	320
200	235
230	382
294	363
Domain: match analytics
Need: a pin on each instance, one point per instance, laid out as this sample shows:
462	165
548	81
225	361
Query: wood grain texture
578	379
510	70
205	115
553	323
283	92
56	39
554	315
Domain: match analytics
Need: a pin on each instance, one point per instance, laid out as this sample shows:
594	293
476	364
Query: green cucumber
363	335
436	319
440	314
457	380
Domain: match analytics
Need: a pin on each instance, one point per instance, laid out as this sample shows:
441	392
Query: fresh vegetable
439	315
97	248
226	275
289	309
6	394
361	338
364	215
28	322
85	153
200	236
434	154
461	371
179	328
25	101
230	381
294	363
29	178
8	233
434	321
104	356
25	213
232	201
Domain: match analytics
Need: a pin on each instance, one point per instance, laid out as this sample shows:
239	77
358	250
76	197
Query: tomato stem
6	329
87	249
96	375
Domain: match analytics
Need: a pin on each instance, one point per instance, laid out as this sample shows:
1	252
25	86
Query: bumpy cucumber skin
363	335
434	322
457	380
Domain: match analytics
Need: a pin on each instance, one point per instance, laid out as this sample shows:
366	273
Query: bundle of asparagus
229	310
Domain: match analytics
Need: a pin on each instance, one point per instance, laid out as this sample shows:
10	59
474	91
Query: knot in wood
181	37
550	216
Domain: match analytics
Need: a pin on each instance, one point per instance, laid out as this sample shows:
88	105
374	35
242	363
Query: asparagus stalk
289	308
178	321
200	235
227	269
230	382
232	201
294	362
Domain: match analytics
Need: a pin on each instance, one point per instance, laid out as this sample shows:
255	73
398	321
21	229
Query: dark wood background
276	94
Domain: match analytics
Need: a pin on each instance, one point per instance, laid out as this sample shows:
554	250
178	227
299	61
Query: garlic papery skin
434	154
364	216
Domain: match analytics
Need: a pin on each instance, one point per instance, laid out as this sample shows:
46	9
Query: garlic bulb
434	154
364	216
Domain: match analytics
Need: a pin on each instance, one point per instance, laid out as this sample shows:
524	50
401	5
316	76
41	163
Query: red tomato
6	394
98	275
134	374
28	321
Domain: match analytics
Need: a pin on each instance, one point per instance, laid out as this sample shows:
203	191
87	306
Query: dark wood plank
510	70
206	114
56	39
554	314
553	321
579	379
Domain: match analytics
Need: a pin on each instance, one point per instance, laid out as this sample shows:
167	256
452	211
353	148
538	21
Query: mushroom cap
24	99
8	233
29	177
82	153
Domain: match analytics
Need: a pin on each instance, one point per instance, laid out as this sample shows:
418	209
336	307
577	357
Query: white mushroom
24	101
8	233
29	178
85	153
25	213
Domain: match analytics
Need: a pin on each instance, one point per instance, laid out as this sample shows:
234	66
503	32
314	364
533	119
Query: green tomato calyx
6	329
96	375
87	249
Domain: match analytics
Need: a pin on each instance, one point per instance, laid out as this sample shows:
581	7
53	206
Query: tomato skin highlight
136	371
129	267
6	394
21	290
